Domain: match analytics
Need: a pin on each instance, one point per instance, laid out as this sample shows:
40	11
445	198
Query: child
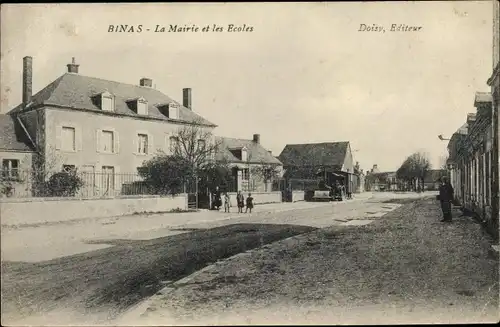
227	202
249	203
240	199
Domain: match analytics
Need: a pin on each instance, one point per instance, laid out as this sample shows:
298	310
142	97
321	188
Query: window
69	168
10	168
142	106
107	141
244	154
142	144
173	111
174	143
201	144
107	101
108	179
245	174
68	139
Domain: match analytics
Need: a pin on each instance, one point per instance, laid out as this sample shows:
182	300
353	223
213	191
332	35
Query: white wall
86	124
298	196
35	211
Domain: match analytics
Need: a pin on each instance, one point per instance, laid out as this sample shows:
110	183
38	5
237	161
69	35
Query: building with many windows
471	159
97	126
105	130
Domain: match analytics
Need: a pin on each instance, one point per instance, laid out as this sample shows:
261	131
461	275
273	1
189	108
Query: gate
191	189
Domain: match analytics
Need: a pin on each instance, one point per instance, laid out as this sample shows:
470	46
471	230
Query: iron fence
82	184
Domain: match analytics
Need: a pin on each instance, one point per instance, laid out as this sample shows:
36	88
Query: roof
76	91
482	97
330	154
12	135
256	152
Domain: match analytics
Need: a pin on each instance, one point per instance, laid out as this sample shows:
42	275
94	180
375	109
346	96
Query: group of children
240	200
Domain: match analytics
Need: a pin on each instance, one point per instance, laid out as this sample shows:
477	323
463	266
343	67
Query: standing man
446	198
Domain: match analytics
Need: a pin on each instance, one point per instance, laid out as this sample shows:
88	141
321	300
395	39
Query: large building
494	83
106	130
471	157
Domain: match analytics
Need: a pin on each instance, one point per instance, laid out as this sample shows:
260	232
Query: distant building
381	181
433	178
310	160
248	159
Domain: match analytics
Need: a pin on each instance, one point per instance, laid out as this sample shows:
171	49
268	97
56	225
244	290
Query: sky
304	74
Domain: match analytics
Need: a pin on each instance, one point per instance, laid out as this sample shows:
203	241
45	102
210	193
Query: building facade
310	161
494	83
471	161
100	127
16	157
254	169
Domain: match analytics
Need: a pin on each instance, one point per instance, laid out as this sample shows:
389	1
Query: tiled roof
330	154
76	91
12	136
482	97
256	152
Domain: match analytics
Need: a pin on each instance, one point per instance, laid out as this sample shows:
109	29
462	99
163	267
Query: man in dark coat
446	198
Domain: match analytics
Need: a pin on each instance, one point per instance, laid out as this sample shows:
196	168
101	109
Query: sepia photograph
262	163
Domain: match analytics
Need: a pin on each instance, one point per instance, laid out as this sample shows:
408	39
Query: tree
192	158
45	163
266	172
414	170
214	174
196	144
63	184
165	174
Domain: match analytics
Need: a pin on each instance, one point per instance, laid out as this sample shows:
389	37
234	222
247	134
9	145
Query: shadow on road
118	277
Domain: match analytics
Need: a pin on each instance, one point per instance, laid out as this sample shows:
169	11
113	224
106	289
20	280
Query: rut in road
115	278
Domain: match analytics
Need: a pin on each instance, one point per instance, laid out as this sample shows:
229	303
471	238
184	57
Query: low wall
298	196
15	211
258	197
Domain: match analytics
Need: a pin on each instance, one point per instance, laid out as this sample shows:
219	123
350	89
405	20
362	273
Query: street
51	271
406	268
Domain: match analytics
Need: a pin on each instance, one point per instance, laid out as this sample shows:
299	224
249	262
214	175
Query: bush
165	174
63	184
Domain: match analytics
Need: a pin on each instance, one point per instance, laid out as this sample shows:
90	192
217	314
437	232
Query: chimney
270	152
256	138
27	80
186	98
148	82
73	67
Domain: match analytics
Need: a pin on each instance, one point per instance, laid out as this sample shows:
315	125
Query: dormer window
173	111
106	101
240	154
139	105
170	110
244	154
